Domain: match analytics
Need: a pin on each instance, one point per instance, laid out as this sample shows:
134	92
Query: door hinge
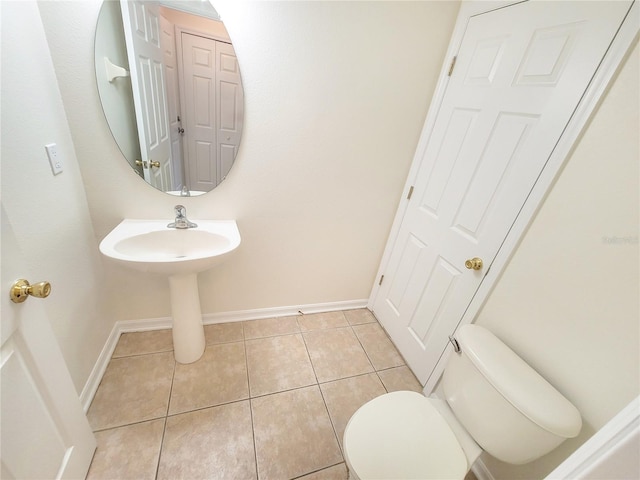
454	342
381	278
410	193
451	67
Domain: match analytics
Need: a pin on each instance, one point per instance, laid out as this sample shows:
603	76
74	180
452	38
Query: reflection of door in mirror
212	94
142	37
186	89
168	44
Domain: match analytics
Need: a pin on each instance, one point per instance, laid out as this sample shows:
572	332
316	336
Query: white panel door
142	35
169	58
230	100
213	109
199	73
44	431
520	73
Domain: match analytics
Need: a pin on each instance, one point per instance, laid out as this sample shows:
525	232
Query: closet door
199	72
520	72
213	109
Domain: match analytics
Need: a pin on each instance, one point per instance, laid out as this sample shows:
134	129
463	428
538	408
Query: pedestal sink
149	246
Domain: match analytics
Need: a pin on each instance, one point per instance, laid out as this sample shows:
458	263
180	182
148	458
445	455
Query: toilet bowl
494	402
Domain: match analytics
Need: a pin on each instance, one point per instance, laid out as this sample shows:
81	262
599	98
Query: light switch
54	158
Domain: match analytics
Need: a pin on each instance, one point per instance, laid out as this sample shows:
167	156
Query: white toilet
494	402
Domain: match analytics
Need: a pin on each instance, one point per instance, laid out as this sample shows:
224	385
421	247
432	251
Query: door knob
21	289
154	164
474	263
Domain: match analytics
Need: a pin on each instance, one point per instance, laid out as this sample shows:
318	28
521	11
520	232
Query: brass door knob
149	164
21	289
473	264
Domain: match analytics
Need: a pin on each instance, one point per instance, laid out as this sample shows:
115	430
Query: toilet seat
401	435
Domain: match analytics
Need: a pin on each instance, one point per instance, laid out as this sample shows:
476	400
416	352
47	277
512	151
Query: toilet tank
508	408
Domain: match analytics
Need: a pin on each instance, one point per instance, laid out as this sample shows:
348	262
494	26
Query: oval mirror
171	91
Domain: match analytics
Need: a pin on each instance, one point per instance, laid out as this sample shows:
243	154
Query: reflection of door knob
21	289
154	164
474	264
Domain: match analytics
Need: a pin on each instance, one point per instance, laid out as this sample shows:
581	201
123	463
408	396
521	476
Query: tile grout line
333	426
253	428
306	348
326	407
324	401
138	422
164	428
375	370
318	470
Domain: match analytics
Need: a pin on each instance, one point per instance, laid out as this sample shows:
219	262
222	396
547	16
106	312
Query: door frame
619	49
612	444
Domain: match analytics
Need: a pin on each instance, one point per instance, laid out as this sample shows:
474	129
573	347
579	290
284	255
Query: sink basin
149	246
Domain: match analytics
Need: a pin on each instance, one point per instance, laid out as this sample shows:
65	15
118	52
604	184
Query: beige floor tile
269	327
293	434
344	397
337	472
211	443
220	376
336	353
319	321
359	316
399	378
223	333
129	452
381	352
133	389
278	363
139	343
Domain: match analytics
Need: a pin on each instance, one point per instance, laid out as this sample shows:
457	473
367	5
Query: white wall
335	97
49	215
568	302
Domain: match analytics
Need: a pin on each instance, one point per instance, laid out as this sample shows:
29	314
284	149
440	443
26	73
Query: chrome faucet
181	219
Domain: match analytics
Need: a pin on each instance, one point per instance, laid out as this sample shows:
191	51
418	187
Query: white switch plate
54	158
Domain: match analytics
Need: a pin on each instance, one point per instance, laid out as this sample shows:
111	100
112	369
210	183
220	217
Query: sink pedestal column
188	332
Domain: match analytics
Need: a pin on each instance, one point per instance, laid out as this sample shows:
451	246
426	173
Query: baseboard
243	315
123	326
93	382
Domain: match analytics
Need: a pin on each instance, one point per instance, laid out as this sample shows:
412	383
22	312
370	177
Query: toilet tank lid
518	382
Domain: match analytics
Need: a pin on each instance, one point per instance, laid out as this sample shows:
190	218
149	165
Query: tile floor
269	399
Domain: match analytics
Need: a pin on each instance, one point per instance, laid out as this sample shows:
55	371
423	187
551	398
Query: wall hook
114	71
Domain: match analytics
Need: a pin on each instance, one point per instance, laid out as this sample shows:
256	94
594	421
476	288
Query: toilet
493	401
